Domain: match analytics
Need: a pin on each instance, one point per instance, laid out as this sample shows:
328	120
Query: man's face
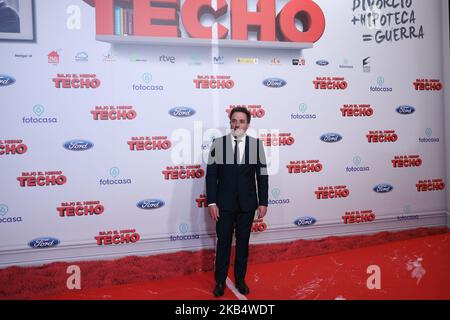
238	124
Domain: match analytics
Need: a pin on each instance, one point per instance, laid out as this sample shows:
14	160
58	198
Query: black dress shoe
219	290
242	287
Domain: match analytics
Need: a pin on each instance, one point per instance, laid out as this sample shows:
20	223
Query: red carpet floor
411	269
413	264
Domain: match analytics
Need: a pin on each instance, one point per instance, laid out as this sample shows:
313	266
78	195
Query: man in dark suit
236	186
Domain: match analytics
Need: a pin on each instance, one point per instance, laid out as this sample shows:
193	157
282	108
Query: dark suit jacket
228	184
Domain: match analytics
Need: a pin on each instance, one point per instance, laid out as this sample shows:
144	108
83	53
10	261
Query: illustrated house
53	57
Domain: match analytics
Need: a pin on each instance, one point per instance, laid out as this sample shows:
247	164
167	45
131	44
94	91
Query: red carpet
306	269
410	269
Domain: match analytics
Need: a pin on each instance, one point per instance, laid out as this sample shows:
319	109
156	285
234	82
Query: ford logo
6	80
305	221
150	204
78	145
406	109
42	243
331	137
274	83
181	112
322	63
383	188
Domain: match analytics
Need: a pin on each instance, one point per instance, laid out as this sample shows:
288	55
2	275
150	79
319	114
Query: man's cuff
212	204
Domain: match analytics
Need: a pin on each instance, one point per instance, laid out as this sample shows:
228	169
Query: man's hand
262	210
214	212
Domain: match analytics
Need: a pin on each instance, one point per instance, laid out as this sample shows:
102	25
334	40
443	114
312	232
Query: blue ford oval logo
383	188
44	242
322	63
305	221
331	137
274	83
78	145
6	80
150	204
406	109
182	112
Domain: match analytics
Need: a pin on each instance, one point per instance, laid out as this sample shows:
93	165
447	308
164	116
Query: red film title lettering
113	114
262	21
358	217
332	193
382	137
305	168
72	211
427	85
311	16
202	201
430	185
407	163
183	174
149	145
281	141
330	84
159	18
13	149
42	181
156	18
193	10
117	239
75	83
213	84
256	111
357	111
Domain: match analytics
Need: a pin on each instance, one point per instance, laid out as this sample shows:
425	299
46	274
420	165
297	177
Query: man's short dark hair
243	110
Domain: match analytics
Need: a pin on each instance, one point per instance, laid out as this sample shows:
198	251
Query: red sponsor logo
117	237
42	179
13	147
259	225
202	201
427	85
256	111
149	143
213	82
53	58
80	208
330	83
337	192
357	110
379	136
406	161
183	172
280	139
304	166
113	113
430	185
164	18
359	216
76	81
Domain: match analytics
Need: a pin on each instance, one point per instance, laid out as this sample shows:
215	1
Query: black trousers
241	223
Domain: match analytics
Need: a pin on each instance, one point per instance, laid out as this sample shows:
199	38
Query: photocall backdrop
107	117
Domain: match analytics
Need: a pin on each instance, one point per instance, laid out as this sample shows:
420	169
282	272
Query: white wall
30	212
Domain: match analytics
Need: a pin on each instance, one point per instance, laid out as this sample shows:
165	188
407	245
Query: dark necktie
236	151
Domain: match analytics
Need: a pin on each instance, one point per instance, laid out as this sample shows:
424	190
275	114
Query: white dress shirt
241	145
